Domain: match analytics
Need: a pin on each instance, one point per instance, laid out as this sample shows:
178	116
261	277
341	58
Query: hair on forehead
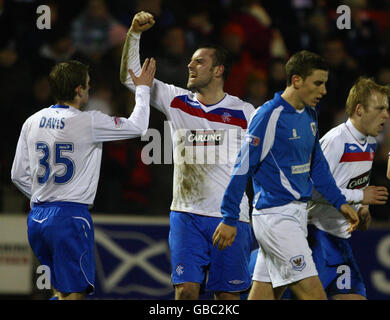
360	92
303	64
220	56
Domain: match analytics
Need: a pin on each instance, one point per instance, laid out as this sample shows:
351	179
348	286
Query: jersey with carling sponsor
59	151
205	141
350	155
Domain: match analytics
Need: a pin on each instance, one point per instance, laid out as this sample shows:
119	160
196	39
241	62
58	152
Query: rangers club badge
179	269
118	122
226	117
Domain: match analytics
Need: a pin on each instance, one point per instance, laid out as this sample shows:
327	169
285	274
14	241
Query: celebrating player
203	123
57	164
349	149
285	160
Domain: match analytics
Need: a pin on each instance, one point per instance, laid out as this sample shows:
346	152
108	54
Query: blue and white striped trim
269	136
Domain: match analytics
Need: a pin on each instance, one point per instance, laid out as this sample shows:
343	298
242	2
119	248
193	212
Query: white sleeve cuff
143	89
134	35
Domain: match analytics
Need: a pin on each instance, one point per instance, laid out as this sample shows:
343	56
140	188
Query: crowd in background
260	35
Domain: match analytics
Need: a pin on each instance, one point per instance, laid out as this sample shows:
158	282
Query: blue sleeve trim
230	221
340	202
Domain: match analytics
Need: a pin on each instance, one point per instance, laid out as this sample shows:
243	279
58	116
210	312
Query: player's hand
351	215
224	236
365	218
375	195
142	21
147	73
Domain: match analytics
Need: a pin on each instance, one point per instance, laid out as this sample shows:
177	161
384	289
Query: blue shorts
193	255
335	263
61	236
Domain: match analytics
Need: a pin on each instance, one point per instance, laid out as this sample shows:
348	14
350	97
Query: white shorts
284	255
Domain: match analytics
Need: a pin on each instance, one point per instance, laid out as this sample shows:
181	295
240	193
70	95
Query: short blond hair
360	92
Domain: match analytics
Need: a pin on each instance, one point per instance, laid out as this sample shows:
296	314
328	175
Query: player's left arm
324	182
333	150
106	128
322	177
20	172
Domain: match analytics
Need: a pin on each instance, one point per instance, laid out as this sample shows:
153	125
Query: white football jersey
205	139
59	151
350	155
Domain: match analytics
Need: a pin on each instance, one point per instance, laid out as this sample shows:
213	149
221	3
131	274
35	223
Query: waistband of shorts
286	208
204	216
60	204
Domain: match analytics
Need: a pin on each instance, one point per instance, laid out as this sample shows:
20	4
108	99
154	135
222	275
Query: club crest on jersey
298	262
313	128
226	117
252	140
118	122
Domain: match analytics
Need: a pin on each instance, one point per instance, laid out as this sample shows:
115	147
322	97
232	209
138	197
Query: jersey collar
356	134
280	101
60	106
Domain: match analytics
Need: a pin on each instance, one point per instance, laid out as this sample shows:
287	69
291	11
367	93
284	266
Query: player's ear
359	109
219	70
296	81
78	89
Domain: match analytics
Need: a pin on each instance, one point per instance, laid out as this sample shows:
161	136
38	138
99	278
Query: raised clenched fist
142	21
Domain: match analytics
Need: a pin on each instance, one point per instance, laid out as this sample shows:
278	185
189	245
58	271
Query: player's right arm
254	149
142	21
20	172
161	94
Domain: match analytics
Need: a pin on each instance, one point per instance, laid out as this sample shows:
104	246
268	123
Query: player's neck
210	96
357	125
73	104
290	95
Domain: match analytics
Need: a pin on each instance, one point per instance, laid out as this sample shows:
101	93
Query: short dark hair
221	57
303	63
65	77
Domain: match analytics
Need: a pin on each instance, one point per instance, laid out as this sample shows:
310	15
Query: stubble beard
197	87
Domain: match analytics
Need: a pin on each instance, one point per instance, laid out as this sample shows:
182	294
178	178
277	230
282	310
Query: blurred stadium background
132	203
